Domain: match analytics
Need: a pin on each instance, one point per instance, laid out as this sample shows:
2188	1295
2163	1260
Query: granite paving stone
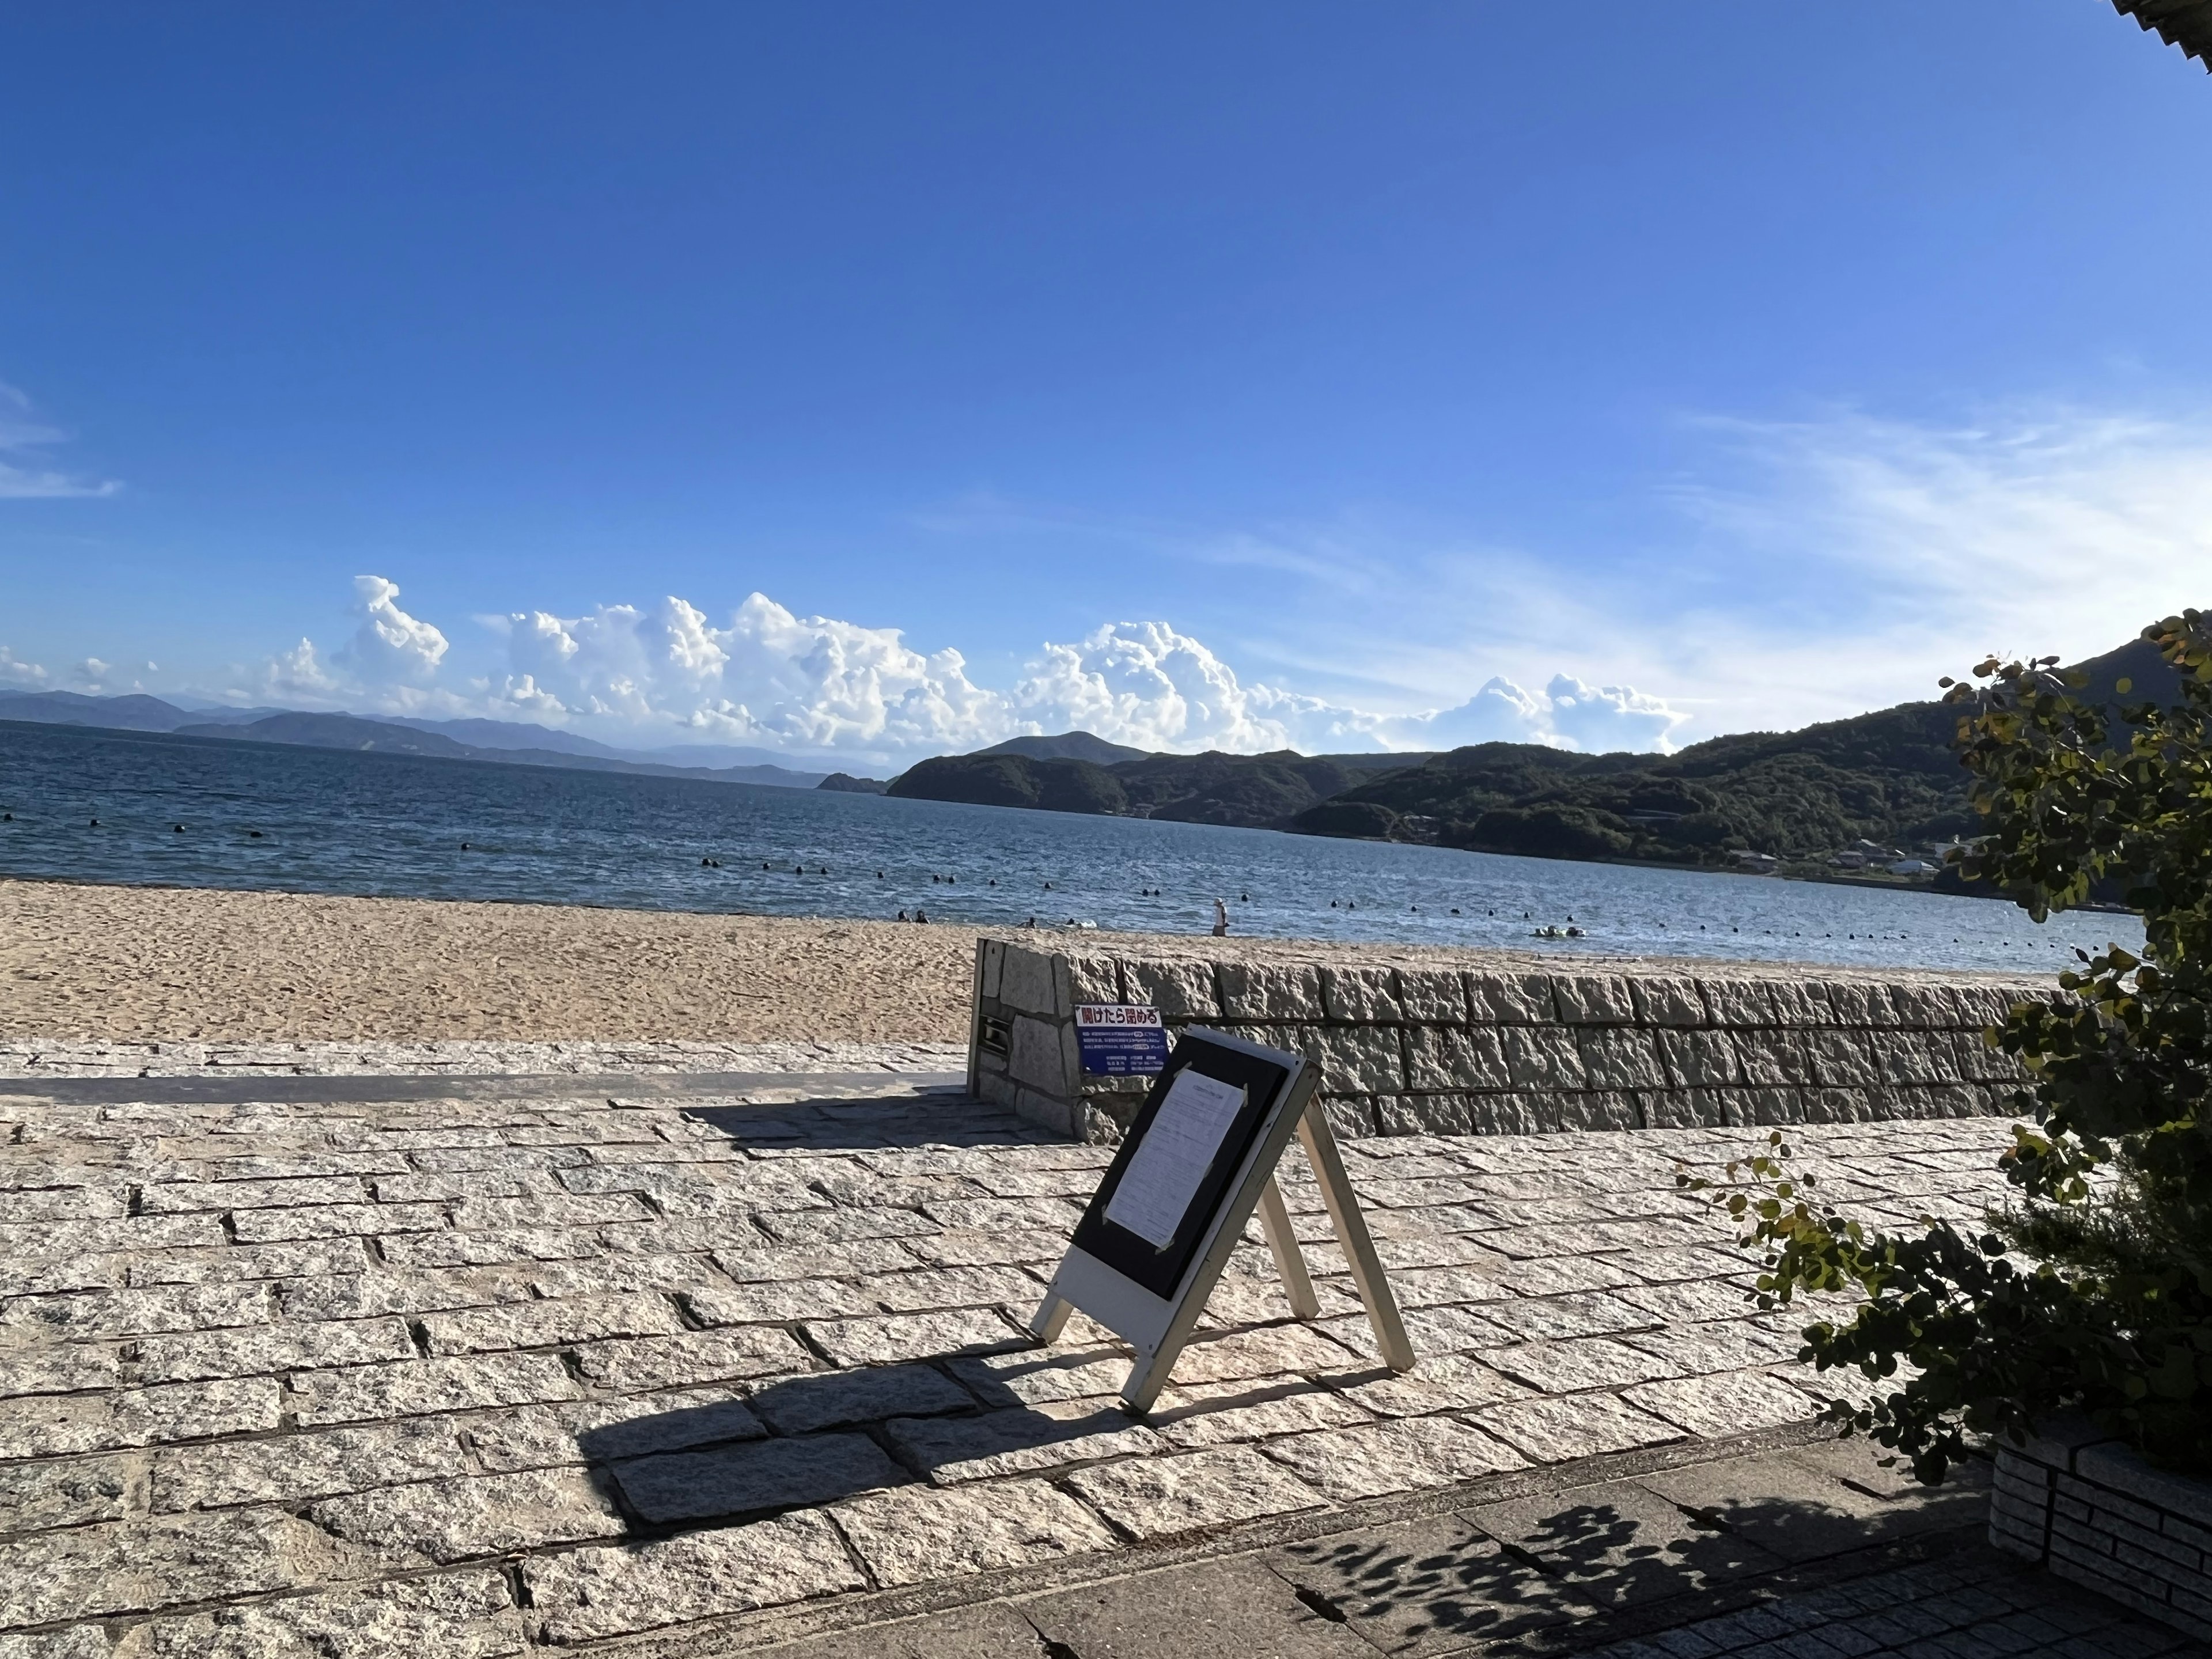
448	1521
1020	1440
1226	1414
140	1567
264	1349
1270	1350
1438	1382
1163	1497
543	1322
932	1288
1033	1376
457	1615
913	1336
63	1368
823	1399
598	1431
1732	1403
418	1387
70	1493
770	1264
190	1411
778	1302
984	1249
763	1475
1553	1430
363	1295
652	1361
334	1220
1591	1362
589	1595
296	1467
1407	1454
914	1535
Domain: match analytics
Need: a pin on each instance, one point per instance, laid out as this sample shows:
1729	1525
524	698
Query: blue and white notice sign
1121	1039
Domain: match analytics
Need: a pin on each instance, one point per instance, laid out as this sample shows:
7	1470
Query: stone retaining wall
1419	1048
2088	1508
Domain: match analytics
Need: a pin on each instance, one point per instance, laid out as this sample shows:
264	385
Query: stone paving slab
512	1374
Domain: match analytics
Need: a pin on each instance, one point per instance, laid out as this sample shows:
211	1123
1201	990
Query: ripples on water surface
334	822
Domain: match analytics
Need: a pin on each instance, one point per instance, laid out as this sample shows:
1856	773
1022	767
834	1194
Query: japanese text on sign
1121	1039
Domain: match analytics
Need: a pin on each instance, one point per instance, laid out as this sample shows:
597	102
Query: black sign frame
1160	1271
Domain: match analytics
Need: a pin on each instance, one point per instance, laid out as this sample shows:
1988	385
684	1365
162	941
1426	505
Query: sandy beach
158	965
133	963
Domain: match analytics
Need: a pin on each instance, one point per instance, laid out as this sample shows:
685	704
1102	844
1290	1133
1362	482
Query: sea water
270	817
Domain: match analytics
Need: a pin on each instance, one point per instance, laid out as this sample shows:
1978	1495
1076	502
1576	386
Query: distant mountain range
513	742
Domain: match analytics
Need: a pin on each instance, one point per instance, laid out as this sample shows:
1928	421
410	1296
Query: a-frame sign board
1195	1163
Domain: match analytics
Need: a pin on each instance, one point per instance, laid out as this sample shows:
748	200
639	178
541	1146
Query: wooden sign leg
1283	1245
1320	1142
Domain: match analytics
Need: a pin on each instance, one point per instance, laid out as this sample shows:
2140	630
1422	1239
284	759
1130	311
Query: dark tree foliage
1051	785
2093	1289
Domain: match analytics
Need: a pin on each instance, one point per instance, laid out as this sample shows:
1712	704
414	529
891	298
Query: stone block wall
2088	1508
1415	1048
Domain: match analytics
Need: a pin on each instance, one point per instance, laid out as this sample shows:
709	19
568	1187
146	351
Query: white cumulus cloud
817	686
390	646
13	670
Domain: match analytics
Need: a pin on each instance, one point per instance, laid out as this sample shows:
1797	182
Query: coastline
156	964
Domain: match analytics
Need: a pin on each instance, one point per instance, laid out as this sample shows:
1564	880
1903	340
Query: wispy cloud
23	434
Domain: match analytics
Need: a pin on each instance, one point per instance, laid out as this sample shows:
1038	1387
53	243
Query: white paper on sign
1173	1156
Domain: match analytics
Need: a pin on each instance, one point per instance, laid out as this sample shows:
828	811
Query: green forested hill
1888	777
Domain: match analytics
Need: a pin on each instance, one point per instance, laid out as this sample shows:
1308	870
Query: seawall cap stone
993	965
1251	990
1594	1000
1364	995
1662	1001
1738	1002
1862	1005
1921	1007
1094	978
1432	996
1184	988
1799	1003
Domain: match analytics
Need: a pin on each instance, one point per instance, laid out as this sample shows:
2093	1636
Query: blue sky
1218	375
